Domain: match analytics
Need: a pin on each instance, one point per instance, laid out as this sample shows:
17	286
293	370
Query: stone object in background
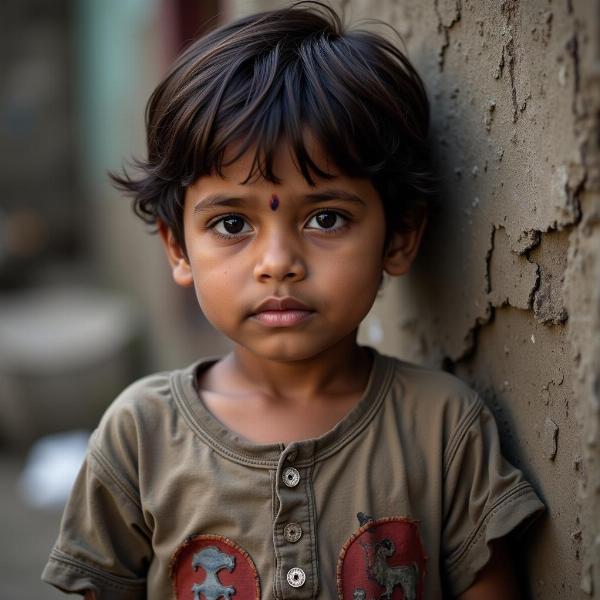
65	353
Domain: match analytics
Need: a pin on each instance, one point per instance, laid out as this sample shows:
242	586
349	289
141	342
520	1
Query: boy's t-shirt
401	497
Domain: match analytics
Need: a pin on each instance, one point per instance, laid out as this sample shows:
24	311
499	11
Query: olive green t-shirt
402	497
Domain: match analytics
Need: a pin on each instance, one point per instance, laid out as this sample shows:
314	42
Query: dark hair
275	75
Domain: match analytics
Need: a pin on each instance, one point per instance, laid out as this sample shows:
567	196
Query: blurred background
86	300
505	292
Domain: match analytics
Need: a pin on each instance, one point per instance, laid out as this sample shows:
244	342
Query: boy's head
286	170
287	74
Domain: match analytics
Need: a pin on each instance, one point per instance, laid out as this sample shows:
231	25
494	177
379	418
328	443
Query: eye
230	226
327	220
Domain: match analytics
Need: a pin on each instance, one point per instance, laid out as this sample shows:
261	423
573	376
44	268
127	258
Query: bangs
335	86
291	76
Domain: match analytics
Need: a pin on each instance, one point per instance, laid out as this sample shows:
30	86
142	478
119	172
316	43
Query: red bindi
274	202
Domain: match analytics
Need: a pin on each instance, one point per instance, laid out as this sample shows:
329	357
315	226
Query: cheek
213	284
354	277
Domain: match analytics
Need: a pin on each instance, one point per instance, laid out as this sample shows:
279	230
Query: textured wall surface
506	292
507	289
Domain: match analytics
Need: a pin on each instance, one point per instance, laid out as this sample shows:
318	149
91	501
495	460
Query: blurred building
86	299
83	286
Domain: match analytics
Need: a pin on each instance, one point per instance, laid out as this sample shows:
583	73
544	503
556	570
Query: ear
402	249
180	267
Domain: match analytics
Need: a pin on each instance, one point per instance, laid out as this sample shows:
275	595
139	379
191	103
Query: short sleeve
104	542
485	497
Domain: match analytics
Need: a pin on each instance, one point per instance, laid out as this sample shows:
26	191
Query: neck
341	369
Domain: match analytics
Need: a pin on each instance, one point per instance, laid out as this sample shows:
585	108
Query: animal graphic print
384	559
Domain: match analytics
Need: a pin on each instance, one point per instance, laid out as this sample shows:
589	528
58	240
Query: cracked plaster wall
506	291
507	288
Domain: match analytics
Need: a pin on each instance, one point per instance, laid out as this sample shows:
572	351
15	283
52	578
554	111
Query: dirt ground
27	536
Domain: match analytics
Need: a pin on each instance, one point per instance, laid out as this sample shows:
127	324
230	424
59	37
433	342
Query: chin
290	348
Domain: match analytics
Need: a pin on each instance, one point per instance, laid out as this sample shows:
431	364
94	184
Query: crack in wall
444	26
509	8
531	280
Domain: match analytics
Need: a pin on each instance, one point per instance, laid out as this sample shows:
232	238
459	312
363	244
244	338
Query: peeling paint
550	439
548	303
510	271
569	180
489	115
509	8
448	13
512	278
526	241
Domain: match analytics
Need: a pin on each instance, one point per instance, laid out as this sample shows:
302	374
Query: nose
279	259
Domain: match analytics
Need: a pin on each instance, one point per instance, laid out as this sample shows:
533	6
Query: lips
281	312
286	303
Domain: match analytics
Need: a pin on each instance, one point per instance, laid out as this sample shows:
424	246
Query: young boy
286	172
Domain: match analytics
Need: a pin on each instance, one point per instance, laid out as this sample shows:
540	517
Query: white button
296	577
291	477
292	532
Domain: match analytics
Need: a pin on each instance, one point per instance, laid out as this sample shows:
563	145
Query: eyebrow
213	200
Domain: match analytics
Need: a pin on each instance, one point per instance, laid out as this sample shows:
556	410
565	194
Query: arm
89	596
497	579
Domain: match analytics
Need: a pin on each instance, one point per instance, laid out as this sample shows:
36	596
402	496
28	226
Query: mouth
281	312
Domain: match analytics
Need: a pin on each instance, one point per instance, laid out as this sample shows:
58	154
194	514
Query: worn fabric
402	497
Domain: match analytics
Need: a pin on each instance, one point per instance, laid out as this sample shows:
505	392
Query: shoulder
138	403
432	399
139	421
430	387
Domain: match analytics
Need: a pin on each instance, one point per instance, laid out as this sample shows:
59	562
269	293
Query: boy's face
320	249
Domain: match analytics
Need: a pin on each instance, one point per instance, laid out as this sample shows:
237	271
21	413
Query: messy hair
273	76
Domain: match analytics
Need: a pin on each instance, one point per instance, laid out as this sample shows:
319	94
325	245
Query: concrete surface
506	291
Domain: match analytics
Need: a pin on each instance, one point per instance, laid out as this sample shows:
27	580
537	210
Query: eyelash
346	219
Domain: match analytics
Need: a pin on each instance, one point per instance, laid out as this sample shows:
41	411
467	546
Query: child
286	172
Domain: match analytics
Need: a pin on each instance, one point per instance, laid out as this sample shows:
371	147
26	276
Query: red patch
383	559
212	567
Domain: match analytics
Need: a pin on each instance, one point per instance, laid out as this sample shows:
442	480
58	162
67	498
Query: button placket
294	539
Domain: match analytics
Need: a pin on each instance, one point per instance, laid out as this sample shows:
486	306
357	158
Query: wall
508	280
506	292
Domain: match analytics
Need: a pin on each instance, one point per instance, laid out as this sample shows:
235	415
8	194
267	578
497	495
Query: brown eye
231	225
327	220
